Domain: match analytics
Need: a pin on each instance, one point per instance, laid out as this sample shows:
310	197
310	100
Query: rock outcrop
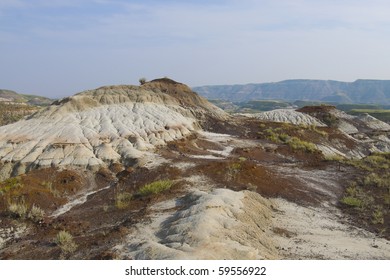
362	135
365	133
288	116
221	224
111	124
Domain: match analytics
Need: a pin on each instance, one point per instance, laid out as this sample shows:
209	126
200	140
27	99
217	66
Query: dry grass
65	240
18	209
123	199
36	214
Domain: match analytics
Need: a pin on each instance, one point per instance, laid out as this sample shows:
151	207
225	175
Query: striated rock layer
220	224
288	116
113	124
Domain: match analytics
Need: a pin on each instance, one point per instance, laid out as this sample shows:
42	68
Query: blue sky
59	47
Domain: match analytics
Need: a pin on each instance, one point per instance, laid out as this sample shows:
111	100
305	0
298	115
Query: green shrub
315	129
122	200
376	180
9	184
377	161
386	199
330	120
142	81
352	201
65	240
337	158
298	144
377	217
155	187
353	190
272	135
283	137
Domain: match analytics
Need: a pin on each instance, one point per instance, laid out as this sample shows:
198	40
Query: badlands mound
111	124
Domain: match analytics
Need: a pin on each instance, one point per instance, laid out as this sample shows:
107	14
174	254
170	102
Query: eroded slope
100	127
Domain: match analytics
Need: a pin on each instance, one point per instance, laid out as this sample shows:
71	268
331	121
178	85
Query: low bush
36	214
352	201
9	184
377	217
65	240
375	180
18	209
142	81
298	144
155	187
336	158
123	199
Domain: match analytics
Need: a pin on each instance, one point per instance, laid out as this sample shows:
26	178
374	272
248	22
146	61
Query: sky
57	48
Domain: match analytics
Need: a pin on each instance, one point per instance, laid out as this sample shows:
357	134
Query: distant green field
381	114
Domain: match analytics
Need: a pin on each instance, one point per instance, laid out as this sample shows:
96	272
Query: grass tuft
352	201
298	144
155	187
65	240
36	214
123	199
18	209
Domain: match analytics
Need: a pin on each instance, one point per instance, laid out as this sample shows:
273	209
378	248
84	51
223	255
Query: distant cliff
360	91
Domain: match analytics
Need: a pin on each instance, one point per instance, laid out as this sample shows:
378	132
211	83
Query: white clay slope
288	116
221	224
107	125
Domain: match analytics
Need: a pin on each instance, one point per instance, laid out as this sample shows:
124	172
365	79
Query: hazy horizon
57	48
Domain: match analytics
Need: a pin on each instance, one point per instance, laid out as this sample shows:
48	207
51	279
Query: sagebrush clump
65	241
123	199
36	214
19	209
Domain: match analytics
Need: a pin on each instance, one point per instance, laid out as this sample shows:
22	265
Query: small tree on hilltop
142	81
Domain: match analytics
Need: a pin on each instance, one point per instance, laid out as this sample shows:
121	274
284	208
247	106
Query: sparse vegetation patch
369	194
18	209
36	214
123	199
298	144
65	240
278	135
155	187
12	112
9	184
